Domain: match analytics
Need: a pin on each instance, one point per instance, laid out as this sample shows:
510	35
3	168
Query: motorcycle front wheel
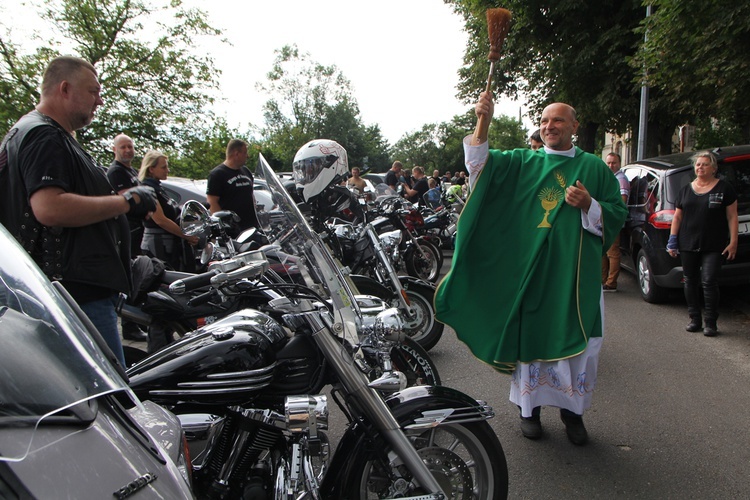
427	266
413	361
466	459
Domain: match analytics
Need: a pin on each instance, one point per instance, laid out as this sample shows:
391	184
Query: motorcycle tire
466	459
425	267
413	361
423	327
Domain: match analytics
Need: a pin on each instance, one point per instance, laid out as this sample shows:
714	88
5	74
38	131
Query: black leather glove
147	200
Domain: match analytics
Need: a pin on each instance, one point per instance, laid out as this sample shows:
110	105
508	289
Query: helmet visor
308	169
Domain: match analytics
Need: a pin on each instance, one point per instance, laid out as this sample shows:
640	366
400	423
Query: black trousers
701	272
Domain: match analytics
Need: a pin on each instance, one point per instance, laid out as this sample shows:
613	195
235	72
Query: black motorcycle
247	389
397	224
185	302
440	223
341	217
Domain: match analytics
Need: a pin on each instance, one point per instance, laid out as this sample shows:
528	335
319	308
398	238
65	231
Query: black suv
654	184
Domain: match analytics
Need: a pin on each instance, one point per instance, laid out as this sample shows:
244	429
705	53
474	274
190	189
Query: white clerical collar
570	152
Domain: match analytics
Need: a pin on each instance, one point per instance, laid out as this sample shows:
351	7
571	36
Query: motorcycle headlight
390	240
388	325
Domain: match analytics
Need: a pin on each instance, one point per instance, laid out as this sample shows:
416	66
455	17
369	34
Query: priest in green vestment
525	283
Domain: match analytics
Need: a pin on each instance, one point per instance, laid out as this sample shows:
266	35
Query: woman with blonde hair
704	232
161	232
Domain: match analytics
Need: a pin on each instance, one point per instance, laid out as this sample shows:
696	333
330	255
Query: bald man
524	292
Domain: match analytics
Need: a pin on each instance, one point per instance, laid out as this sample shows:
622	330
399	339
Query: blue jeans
104	317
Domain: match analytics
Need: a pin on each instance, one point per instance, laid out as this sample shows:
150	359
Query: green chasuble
525	281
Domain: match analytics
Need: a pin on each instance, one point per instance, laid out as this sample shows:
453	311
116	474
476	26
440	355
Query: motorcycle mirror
194	219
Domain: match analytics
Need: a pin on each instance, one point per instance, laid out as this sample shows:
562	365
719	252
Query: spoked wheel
425	264
466	459
422	326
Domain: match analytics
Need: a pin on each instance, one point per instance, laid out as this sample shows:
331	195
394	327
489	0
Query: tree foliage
572	51
308	100
698	54
156	87
595	54
441	145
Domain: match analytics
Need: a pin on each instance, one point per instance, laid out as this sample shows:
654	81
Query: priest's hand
578	196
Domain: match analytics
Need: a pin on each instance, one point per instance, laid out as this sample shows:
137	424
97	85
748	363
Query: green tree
309	101
156	86
205	149
441	145
570	51
698	54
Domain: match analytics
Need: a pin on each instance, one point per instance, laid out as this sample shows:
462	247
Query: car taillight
662	219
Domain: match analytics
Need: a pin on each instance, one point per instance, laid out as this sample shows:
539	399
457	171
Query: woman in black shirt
704	229
161	231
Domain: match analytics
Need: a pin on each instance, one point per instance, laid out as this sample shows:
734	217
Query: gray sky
401	56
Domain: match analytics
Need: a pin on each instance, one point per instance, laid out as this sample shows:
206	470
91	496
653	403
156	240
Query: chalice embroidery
550	197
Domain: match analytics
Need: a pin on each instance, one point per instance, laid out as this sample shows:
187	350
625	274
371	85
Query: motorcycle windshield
303	253
50	367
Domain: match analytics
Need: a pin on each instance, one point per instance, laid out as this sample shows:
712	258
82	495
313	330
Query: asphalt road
670	411
670	415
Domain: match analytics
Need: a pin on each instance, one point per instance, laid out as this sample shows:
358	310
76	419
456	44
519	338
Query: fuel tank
228	362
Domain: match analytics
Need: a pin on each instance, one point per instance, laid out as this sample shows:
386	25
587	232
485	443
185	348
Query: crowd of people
561	207
83	224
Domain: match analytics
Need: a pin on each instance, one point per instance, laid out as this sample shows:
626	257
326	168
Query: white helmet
316	164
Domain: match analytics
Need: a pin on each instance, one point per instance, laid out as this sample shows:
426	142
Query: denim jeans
701	271
104	317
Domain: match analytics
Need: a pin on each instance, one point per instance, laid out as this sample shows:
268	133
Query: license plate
744	227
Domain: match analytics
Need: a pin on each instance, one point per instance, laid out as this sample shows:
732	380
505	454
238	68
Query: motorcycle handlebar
203	298
250	271
185	285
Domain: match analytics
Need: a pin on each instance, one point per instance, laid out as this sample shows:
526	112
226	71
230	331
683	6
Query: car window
676	180
644	190
173	194
737	173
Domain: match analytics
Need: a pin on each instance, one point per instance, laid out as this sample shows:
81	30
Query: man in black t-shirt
57	202
122	176
416	193
230	186
392	176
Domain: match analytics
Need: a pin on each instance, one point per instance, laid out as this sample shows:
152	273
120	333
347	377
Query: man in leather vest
122	176
56	200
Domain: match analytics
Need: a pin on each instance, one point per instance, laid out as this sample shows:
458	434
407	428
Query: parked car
182	189
654	184
375	179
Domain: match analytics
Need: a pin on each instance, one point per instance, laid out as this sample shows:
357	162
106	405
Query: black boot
574	427
531	427
695	324
710	330
711	299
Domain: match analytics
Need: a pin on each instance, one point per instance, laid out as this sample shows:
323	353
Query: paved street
669	417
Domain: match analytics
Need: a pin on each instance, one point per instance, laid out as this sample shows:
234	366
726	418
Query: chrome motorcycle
340	216
249	390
